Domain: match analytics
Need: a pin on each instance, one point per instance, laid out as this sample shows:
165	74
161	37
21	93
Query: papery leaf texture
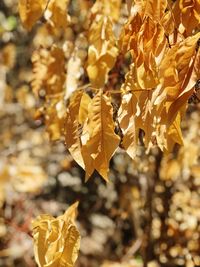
101	142
56	240
30	11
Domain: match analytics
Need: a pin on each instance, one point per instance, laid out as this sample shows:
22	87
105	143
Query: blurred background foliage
148	212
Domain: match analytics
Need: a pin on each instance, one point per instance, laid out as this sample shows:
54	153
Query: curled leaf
56	240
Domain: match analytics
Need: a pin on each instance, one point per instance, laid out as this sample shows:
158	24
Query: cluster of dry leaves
111	75
159	39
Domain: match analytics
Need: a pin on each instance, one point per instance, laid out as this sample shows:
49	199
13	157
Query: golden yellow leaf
56	240
179	72
54	117
30	11
108	8
126	116
175	69
76	115
8	56
139	110
155	9
128	37
56	13
187	15
48	81
102	51
102	140
48	70
145	39
161	77
83	110
4	179
174	134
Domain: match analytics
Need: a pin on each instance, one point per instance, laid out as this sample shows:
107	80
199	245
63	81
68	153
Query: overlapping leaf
108	8
30	11
102	140
127	115
48	81
89	132
187	16
102	51
48	70
75	117
163	71
56	13
161	78
56	240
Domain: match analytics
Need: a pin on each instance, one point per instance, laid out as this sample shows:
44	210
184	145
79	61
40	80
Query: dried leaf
102	141
73	74
30	11
76	115
127	114
108	8
155	9
8	56
56	13
4	179
186	15
48	70
102	51
56	240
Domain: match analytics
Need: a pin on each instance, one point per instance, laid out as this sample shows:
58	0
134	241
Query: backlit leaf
56	240
56	13
102	51
30	11
108	8
76	115
102	141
